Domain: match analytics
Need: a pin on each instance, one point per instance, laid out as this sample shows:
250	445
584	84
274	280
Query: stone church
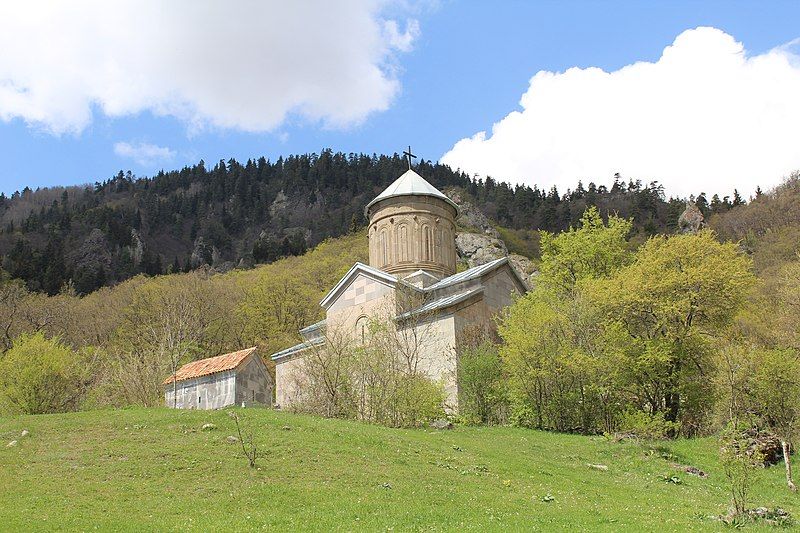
411	281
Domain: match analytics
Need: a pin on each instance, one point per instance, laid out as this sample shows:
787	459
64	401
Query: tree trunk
787	461
175	384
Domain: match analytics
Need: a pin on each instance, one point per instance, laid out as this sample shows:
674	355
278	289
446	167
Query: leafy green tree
776	387
673	304
741	463
594	249
561	374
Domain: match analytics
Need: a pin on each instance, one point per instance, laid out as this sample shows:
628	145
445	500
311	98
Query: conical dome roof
411	184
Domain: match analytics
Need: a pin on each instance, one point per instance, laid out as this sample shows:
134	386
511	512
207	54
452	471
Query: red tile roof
212	365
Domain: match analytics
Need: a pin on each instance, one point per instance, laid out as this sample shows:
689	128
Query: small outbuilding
234	378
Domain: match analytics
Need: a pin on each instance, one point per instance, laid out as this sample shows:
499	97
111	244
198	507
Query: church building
411	280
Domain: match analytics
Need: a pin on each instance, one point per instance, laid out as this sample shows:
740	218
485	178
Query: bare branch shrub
246	439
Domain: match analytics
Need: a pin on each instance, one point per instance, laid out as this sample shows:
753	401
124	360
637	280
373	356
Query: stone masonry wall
253	383
207	392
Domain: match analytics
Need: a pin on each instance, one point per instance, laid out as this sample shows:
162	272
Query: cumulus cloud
145	154
706	116
236	64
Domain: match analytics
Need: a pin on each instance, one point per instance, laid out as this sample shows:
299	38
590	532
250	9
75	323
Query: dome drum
411	232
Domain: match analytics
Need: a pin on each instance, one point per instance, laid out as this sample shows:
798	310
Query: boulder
441	423
230	439
767	444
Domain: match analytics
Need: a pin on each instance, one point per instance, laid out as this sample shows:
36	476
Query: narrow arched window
362	329
402	243
427	244
384	248
446	247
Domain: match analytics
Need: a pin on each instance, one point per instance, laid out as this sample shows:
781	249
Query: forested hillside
239	214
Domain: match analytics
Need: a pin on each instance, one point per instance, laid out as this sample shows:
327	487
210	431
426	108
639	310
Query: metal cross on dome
409	155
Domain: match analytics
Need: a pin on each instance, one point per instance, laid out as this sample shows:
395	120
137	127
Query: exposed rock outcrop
525	268
476	249
136	247
470	216
94	252
484	244
691	220
202	253
279	205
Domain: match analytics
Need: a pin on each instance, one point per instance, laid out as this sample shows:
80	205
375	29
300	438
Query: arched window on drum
427	243
402	243
383	247
446	247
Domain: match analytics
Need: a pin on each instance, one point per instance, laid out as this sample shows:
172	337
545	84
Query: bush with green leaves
646	426
40	375
741	462
483	395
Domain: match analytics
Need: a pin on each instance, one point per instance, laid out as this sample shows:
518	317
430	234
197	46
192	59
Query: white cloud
705	117
230	64
145	154
401	40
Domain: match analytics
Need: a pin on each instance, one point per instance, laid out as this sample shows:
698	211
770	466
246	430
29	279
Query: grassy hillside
147	469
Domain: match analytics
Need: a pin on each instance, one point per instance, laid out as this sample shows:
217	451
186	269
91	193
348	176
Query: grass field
154	469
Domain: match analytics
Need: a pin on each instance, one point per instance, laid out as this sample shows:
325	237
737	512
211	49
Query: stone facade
410	282
207	392
253	383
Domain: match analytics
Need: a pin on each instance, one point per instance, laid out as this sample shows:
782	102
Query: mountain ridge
240	214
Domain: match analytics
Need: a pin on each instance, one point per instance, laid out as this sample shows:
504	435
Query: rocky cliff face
471	219
479	242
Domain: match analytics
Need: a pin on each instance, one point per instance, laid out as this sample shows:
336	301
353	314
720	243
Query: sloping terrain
156	469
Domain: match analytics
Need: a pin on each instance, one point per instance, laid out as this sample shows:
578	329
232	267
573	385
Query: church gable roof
297	348
441	303
473	273
411	184
356	270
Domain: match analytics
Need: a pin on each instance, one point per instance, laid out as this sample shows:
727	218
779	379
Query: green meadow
156	469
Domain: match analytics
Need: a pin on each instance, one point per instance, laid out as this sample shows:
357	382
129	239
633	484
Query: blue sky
466	68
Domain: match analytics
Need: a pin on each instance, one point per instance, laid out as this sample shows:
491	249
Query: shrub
646	426
483	397
39	375
417	400
741	462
